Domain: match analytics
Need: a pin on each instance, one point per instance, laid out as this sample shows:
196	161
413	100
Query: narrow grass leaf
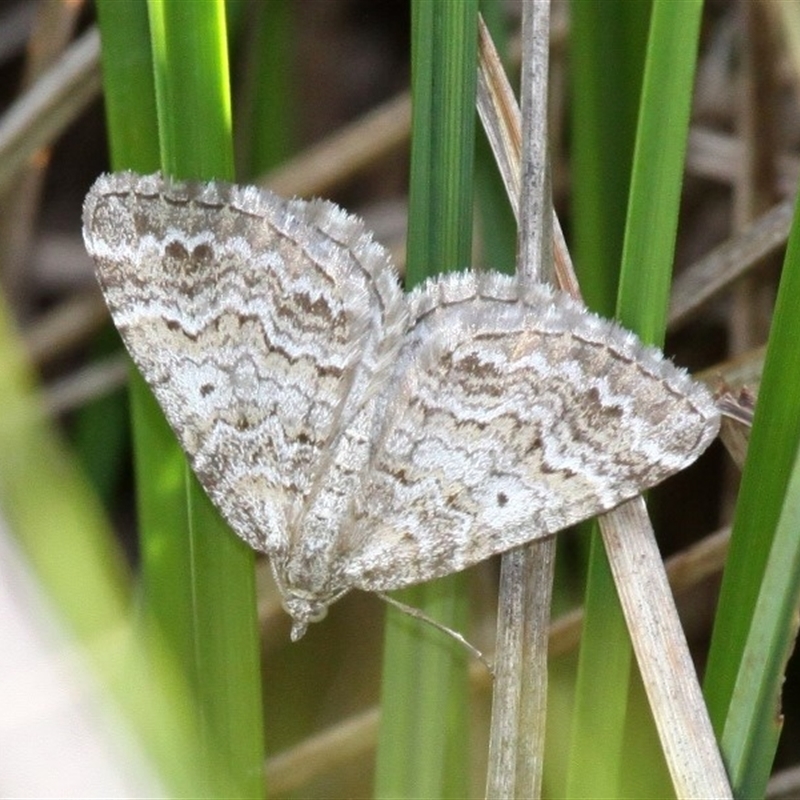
649	242
194	114
753	725
423	736
763	497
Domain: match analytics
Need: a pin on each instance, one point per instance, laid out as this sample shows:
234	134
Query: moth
363	437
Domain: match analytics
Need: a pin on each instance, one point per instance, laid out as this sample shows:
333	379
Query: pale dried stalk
668	675
80	387
53	27
784	785
519	700
659	643
500	117
535	259
353	147
509	770
735	257
292	769
57	98
717	155
68	325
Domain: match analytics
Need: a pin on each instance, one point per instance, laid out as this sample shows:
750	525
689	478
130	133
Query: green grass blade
497	226
197	578
190	56
657	174
133	138
99	430
444	58
128	90
423	737
763	497
601	687
265	103
752	727
156	698
194	114
645	276
607	47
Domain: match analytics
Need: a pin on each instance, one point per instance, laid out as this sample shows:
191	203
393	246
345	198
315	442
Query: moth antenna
423	617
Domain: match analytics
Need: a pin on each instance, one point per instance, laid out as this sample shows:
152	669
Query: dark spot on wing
176	250
203	253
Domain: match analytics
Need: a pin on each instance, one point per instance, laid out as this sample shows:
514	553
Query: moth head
304	610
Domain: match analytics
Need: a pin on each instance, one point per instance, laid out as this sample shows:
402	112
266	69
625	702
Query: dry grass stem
784	785
54	25
708	277
86	384
354	147
55	100
292	769
500	116
519	699
717	155
668	675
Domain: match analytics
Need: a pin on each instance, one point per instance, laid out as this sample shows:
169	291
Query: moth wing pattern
515	413
361	437
256	321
